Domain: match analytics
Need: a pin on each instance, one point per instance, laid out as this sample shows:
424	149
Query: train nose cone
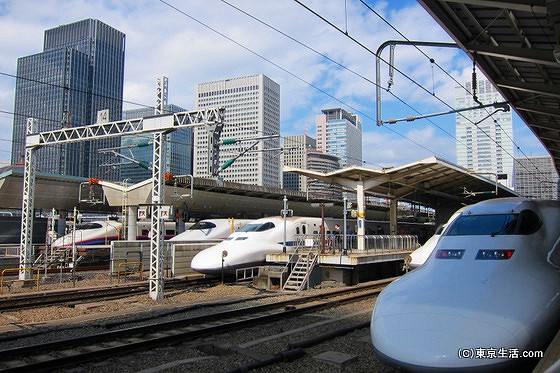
425	341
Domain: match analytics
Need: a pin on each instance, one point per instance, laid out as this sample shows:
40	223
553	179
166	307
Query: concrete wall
177	255
183	254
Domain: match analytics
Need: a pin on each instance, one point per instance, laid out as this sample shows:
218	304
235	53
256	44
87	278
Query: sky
323	56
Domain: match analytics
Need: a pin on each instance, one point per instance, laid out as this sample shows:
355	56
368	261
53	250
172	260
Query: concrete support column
393	217
360	196
132	227
179	223
61	223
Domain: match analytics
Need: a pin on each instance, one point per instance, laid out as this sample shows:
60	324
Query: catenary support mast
159	125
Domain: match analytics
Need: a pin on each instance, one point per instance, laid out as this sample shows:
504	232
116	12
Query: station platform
550	362
334	269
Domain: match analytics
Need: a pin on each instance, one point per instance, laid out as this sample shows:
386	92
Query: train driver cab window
202	225
88	226
524	223
303	229
257	227
297	230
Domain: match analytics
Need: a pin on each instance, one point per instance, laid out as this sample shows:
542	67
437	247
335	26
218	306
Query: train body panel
99	232
102	232
250	245
488	288
420	255
211	229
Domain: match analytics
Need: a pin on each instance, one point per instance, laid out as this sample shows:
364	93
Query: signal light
486	254
450	254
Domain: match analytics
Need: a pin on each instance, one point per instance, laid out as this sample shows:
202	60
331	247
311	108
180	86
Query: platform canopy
431	182
516	44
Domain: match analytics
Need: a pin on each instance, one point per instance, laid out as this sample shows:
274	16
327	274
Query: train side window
297	230
529	222
303	229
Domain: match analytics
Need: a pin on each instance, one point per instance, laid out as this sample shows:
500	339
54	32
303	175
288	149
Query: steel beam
159	125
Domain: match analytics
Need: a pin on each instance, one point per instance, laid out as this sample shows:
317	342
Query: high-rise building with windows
79	72
296	150
252	109
179	149
536	177
484	137
340	133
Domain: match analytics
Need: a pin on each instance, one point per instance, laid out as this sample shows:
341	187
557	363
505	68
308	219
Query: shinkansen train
420	255
488	294
102	232
211	229
249	246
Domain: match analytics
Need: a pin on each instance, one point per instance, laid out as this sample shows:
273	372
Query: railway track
13	302
68	352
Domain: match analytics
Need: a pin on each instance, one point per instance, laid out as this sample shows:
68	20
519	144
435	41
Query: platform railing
334	243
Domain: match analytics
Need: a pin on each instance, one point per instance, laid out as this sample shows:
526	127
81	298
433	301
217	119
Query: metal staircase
299	276
61	255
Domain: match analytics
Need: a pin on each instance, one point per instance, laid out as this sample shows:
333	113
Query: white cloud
163	41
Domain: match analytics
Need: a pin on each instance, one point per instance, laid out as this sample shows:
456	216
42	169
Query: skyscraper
340	133
295	155
536	177
179	148
179	143
484	138
79	72
252	106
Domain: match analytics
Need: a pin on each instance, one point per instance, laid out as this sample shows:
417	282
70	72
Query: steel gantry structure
159	125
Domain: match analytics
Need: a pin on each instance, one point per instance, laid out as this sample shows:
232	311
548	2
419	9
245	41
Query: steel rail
67	352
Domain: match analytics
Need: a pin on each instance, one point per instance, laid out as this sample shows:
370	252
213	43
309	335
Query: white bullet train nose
208	261
443	338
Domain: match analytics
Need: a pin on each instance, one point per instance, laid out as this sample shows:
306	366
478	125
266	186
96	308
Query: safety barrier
130	269
17	270
243	274
377	244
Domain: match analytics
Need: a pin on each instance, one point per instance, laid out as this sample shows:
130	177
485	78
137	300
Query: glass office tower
179	149
79	72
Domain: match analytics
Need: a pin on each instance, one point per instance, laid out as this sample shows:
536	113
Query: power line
345	32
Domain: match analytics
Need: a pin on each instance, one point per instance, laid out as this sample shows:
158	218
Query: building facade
252	109
484	138
322	162
79	72
295	155
340	133
536	177
179	149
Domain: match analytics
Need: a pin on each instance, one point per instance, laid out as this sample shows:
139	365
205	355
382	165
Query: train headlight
489	254
450	254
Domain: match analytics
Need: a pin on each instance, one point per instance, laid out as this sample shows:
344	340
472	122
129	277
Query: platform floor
551	357
349	260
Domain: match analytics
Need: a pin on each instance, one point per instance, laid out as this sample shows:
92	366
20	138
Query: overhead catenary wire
405	75
393	131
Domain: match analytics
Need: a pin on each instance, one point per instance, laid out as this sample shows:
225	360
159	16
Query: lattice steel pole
26	242
157	229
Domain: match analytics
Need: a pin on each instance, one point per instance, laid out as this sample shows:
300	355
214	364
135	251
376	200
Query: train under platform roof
431	182
516	44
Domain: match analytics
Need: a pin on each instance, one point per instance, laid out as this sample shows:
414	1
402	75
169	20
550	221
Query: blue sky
197	41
